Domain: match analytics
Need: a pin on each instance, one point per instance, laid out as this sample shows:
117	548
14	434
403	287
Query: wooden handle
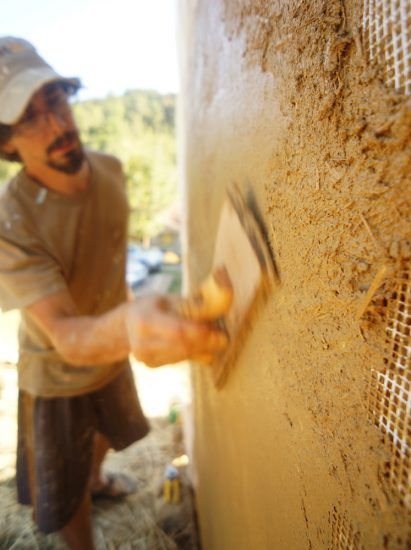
212	299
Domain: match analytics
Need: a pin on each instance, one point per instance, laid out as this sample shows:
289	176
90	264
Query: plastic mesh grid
387	39
390	396
342	533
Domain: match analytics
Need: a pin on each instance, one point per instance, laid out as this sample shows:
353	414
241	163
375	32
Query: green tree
8	170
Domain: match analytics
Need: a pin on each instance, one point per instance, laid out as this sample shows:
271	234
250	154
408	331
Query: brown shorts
54	449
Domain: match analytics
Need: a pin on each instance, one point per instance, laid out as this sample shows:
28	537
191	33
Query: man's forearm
150	327
86	340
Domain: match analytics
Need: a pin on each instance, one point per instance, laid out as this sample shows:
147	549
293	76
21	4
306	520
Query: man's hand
159	335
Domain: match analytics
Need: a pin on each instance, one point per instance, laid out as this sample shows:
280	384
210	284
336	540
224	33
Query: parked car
152	257
136	272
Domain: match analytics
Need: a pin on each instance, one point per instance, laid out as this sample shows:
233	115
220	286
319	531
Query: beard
73	159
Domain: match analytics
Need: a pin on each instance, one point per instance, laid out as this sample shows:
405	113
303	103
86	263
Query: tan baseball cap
22	73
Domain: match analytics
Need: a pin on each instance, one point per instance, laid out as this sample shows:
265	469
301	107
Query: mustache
62	140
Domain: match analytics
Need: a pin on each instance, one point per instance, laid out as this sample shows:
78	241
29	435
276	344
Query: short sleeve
26	276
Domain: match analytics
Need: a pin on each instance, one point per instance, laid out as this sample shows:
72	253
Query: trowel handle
212	299
210	302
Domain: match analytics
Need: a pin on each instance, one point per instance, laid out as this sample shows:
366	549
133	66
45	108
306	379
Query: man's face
46	134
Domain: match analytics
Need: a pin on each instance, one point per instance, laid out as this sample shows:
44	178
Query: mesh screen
387	40
390	396
342	533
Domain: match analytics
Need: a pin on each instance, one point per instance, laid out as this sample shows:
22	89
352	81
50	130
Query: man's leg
120	421
58	457
100	448
77	533
111	485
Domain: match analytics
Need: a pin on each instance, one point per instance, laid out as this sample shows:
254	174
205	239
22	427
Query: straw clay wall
306	103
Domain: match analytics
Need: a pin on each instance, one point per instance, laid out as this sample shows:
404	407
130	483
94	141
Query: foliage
8	170
137	127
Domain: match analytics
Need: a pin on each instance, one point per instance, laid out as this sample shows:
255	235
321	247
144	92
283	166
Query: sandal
116	486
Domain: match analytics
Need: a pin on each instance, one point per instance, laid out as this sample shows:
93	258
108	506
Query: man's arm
148	327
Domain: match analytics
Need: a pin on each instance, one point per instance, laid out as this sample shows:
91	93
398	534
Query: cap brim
15	97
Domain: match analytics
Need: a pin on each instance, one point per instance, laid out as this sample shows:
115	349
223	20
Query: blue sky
112	45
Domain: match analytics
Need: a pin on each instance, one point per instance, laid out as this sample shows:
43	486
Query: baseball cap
22	73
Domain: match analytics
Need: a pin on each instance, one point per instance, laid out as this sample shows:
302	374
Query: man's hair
5	135
6	130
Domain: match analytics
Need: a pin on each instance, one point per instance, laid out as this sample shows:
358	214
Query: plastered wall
308	444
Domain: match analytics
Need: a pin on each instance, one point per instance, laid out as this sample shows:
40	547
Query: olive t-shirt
50	242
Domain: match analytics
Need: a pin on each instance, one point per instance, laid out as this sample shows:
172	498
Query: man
62	261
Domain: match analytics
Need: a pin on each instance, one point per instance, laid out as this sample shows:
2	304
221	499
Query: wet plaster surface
279	98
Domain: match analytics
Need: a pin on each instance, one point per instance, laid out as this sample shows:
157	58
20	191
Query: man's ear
8	147
9	151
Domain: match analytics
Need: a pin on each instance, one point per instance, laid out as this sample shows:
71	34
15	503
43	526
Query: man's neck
65	184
